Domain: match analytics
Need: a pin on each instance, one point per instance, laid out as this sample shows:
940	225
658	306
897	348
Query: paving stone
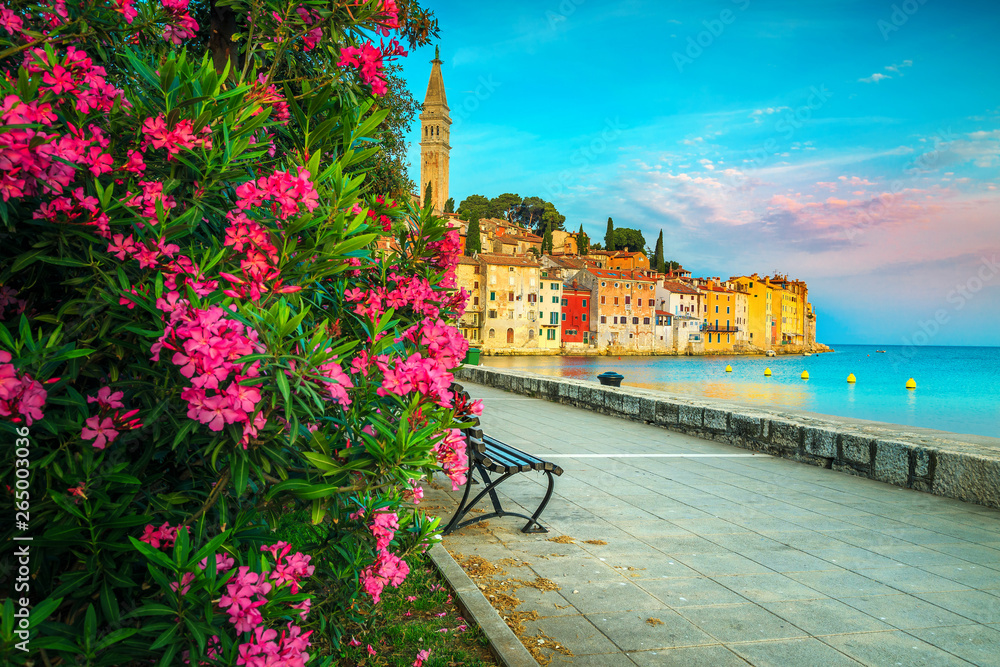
787	560
978	644
575	632
694	656
770	587
905	611
593	660
911	579
740	622
691	591
977	606
972	576
721	564
611	596
877	649
631	631
791	652
841	583
826	617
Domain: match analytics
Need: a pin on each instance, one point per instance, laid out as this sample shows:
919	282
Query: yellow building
510	302
761	324
468	275
792	310
720	318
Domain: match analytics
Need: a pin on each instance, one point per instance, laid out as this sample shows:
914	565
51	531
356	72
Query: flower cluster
369	60
452	457
388	568
267	94
180	25
8	299
164	536
76	79
284	190
19	393
289	569
103	428
445	257
182	135
206	346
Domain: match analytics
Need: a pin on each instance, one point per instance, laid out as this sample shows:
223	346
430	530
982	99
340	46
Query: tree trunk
220	43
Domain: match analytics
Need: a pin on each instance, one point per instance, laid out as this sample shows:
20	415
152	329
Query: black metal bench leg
539	528
462	509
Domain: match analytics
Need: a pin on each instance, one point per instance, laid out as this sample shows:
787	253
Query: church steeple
435	130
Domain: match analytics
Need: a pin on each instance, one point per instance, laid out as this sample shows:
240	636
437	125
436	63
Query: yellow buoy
805	375
729	369
911	384
851	378
767	372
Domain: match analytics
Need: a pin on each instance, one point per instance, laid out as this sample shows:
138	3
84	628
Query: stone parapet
946	464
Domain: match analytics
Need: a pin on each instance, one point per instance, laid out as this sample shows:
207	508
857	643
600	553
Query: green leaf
241	472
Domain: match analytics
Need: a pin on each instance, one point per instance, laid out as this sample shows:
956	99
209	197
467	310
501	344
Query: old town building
510	290
622	307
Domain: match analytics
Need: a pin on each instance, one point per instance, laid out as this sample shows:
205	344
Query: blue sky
847	143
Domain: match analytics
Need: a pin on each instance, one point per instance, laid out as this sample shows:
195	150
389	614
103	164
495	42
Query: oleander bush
207	322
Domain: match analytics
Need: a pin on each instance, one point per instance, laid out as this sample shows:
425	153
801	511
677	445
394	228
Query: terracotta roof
638	276
526	237
567	262
663	312
678	288
568	287
508	260
468	261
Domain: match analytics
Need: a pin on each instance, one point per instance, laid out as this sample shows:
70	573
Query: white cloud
874	78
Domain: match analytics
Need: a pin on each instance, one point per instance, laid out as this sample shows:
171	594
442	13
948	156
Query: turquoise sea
958	388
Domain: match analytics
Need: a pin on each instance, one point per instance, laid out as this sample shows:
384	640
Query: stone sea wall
940	463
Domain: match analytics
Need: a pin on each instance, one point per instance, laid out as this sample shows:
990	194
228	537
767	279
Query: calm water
958	388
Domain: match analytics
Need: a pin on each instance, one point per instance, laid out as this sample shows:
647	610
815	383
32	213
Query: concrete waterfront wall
961	467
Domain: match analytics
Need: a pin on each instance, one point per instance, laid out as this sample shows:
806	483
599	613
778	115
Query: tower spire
435	128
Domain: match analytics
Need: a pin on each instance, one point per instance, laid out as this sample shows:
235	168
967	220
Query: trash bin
611	379
472	357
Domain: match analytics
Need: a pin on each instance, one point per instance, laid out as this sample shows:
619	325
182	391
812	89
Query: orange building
628	261
622	308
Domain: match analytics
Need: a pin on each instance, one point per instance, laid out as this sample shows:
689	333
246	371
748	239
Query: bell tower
435	131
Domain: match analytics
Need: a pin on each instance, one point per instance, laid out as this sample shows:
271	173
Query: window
475	301
493	315
555	286
585	333
531	334
532	298
616	319
727	310
628	300
616	301
727	338
555	299
585	317
531	282
616	284
493	334
510	296
493	296
639	302
628	285
716	309
553	318
604	299
564	317
645	320
565	302
551	334
510	281
584	303
635	320
603	284
604	319
510	269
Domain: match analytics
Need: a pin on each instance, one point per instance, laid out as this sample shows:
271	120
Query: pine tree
547	240
658	253
449	206
428	194
473	241
609	236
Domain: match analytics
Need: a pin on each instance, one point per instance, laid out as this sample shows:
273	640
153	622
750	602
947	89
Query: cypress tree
473	241
609	236
428	194
449	206
658	253
582	242
547	240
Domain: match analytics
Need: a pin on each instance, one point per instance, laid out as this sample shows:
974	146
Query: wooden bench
489	455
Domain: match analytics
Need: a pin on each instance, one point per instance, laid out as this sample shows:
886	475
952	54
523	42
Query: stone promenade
716	556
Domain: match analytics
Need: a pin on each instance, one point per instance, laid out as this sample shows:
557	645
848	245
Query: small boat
880	351
770	353
807	354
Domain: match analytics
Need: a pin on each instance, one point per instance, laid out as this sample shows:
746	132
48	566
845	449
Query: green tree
506	205
473	240
609	236
658	253
629	238
428	194
547	240
552	218
671	265
529	213
582	242
596	246
449	206
478	204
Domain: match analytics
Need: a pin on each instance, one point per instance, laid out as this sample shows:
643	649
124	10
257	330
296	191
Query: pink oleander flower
106	399
101	430
164	536
184	584
421	656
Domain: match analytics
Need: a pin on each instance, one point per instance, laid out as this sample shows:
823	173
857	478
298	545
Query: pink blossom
421	656
100	430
